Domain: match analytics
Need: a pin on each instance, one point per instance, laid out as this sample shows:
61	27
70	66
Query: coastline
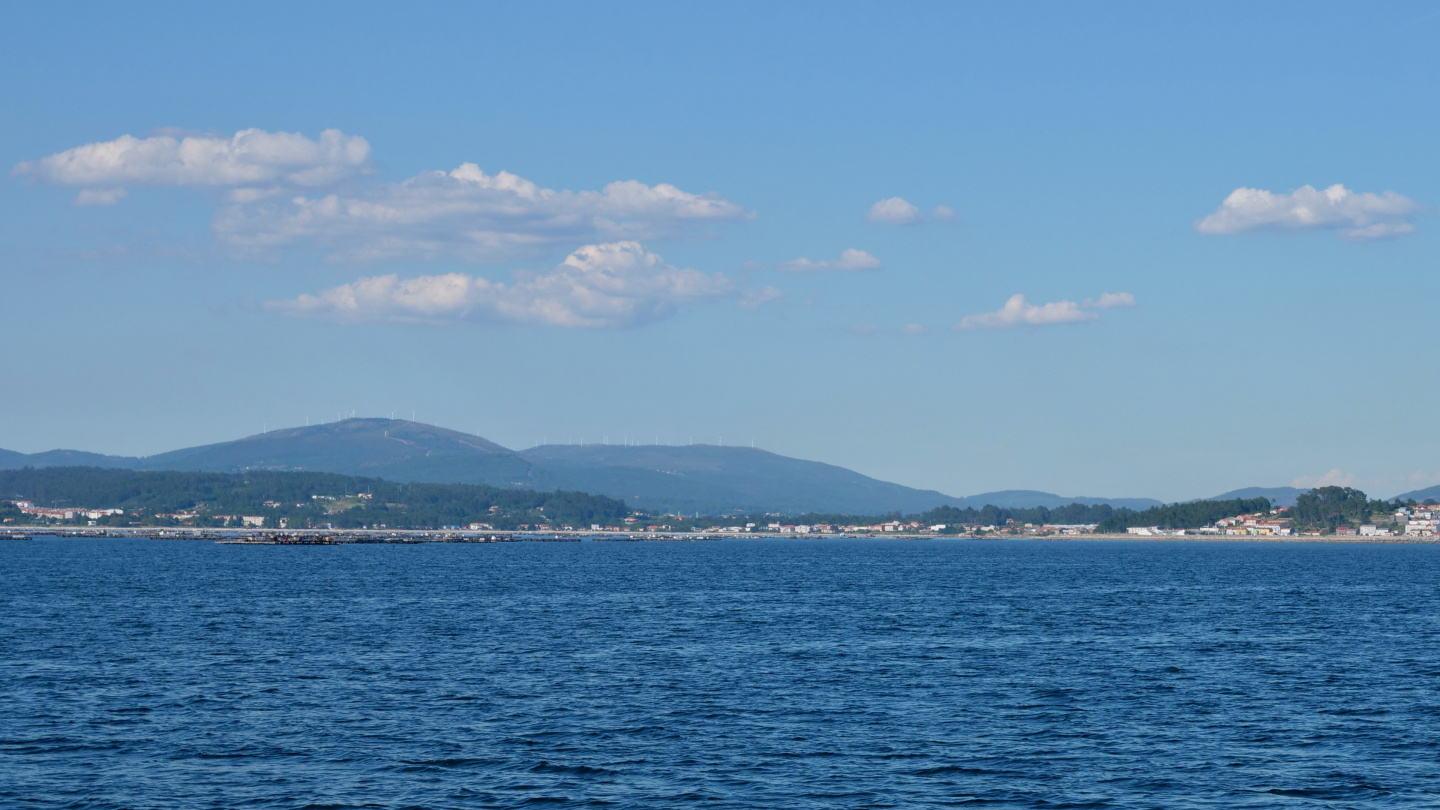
315	537
1394	539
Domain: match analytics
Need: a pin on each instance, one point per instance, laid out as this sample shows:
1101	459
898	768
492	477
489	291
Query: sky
1102	249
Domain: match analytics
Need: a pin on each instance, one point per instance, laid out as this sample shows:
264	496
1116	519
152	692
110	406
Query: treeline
1191	515
990	515
143	495
952	516
1325	508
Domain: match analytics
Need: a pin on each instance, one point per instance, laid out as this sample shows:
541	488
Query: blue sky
577	221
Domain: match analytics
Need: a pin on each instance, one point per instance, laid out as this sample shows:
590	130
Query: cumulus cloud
894	211
1358	216
1018	312
284	189
851	259
597	287
944	213
249	157
1110	301
469	215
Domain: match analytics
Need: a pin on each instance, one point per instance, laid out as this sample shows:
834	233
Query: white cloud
1110	301
914	329
250	157
598	286
100	196
944	213
284	189
894	211
850	259
1358	216
469	215
1018	312
1333	478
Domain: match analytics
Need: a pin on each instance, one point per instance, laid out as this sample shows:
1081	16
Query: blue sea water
181	674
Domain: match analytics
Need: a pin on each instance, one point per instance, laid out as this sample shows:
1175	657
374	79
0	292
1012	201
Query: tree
1329	507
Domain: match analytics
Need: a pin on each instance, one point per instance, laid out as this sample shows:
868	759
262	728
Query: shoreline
1394	539
332	537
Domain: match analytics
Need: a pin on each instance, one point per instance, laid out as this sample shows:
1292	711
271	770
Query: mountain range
701	478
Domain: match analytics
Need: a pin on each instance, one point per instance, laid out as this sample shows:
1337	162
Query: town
1420	522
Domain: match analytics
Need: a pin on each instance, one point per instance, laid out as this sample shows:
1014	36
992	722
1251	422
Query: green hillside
710	479
303	499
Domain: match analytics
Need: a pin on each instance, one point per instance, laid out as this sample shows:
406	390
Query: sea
797	673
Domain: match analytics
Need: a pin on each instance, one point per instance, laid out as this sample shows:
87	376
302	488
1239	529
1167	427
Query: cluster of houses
913	527
1411	521
67	513
1259	524
900	527
86	513
1422	521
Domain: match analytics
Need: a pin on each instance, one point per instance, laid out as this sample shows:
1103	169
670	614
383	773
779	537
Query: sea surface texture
736	674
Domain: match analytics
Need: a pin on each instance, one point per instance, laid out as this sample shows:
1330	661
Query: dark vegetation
304	499
1326	508
316	500
1191	515
954	518
997	516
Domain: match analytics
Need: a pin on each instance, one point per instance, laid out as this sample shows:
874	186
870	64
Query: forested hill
302	498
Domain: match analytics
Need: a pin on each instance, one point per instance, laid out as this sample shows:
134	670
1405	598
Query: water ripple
167	674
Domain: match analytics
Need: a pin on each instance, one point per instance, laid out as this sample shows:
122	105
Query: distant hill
1420	495
392	449
1280	496
689	479
80	458
1028	498
10	460
710	479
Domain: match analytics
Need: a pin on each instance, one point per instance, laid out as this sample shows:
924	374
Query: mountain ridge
1280	496
693	478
